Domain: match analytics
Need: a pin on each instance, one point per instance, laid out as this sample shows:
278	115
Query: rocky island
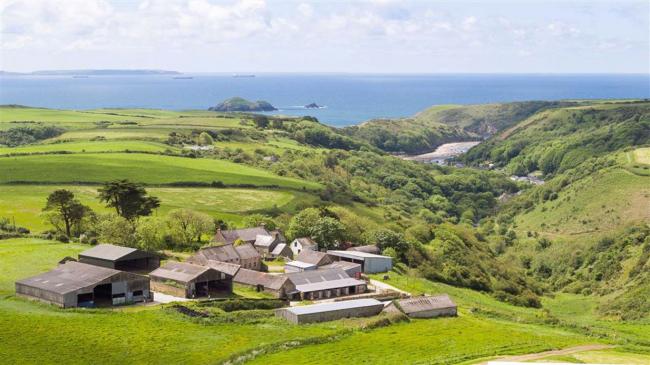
238	104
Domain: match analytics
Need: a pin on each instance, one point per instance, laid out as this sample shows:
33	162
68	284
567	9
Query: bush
62	238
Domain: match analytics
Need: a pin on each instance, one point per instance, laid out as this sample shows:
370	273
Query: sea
345	99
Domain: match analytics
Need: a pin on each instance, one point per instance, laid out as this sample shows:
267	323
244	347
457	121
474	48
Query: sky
380	36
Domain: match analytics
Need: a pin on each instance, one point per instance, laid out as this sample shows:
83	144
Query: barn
428	306
370	263
314	257
278	285
298	266
75	284
331	311
120	258
350	268
187	280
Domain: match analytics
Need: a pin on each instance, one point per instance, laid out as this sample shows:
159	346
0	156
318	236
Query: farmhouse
298	266
244	255
350	268
282	250
187	280
314	257
321	284
75	284
331	311
304	243
428	306
370	263
278	285
120	258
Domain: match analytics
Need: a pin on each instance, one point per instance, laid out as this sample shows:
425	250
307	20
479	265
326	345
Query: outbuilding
370	263
187	280
302	244
350	268
278	285
120	258
323	284
282	250
314	257
75	284
331	311
428	306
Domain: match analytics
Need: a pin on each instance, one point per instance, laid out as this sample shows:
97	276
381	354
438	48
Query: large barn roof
317	276
342	265
70	276
312	257
179	271
334	306
218	253
357	255
224	267
252	277
425	303
246	251
108	252
330	284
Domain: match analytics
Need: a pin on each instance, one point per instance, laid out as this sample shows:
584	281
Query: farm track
541	355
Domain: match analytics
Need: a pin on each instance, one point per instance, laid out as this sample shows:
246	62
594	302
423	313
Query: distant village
335	280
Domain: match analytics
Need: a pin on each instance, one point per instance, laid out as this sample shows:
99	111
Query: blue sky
381	36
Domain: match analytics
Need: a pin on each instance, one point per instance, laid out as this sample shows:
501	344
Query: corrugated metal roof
300	264
367	248
342	265
330	284
334	306
425	303
108	252
71	276
358	255
179	271
224	267
317	276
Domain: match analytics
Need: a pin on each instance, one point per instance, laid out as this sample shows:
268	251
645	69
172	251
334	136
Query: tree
324	229
205	139
116	230
64	211
189	225
261	121
129	199
385	238
150	233
255	220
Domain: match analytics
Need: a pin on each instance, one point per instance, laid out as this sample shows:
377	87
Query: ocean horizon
347	98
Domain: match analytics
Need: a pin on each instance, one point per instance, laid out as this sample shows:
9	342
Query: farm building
350	268
120	258
301	244
367	249
75	284
314	257
265	244
278	285
187	280
244	255
282	250
331	311
298	266
428	306
370	263
248	235
321	284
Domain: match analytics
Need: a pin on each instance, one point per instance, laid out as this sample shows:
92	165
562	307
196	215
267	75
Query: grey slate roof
70	277
334	306
224	267
108	252
313	257
252	277
425	303
278	249
264	240
222	253
245	234
246	251
179	271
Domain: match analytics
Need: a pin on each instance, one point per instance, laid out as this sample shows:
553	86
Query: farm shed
301	244
331	311
298	266
428	306
350	268
314	257
187	280
75	284
321	284
278	285
120	258
367	249
370	263
282	250
244	255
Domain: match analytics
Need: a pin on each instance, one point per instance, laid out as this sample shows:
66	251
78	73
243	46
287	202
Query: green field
25	202
95	146
144	168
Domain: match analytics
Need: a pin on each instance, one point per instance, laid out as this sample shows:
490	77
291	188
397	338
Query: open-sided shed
370	263
187	280
120	258
75	284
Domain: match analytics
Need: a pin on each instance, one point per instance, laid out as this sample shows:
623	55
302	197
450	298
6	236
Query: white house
304	243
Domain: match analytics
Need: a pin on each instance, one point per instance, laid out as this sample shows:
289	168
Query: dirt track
541	355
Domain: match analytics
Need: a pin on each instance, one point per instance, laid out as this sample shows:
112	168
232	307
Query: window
137	293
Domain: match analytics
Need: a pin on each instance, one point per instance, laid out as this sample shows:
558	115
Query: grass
642	155
95	146
144	168
25	202
600	357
